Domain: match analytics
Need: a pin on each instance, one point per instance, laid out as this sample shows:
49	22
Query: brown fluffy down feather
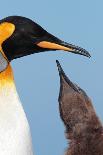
83	128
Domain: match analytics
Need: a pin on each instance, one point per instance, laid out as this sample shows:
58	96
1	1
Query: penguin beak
54	43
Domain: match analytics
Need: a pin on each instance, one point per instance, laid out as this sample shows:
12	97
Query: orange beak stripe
49	45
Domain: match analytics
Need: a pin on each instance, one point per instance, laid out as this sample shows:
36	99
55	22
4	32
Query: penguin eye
3	62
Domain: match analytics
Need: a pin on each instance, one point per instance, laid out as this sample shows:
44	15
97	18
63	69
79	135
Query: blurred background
78	22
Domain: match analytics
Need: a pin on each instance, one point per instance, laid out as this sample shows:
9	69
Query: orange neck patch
6	77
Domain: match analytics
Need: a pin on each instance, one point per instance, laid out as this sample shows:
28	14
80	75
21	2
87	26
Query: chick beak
54	43
63	77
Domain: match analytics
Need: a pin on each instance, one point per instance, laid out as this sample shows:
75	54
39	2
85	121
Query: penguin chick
83	128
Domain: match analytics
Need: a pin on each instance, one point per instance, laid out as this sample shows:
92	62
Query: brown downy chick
83	128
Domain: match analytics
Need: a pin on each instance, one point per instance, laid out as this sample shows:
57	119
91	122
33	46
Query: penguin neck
14	129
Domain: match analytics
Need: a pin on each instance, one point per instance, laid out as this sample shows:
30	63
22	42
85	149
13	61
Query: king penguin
20	36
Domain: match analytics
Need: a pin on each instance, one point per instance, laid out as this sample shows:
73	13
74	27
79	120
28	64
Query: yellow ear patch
6	30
